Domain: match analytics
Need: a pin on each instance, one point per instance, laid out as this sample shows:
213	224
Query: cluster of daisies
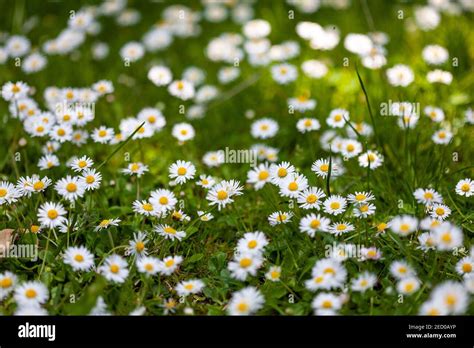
313	210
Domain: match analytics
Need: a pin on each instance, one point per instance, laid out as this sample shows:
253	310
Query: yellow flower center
221	195
446	237
34	228
71	187
308	123
189	287
79	258
82	164
338	118
90	179
61	132
327	304
163	200
324	167
6	282
3	192
149	267
275	274
335	205
52	214
134	167
293	186
428	195
245	262
311	198
102	133
39	185
147	207
282	172
315	224
182	171
139	246
252	244
169	263
31	293
329	270
242	307
439	211
104	223
170	230
341	227
350	147
114	268
465	187
467	268
263	175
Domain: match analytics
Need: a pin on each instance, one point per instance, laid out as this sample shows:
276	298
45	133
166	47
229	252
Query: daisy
259	176
279	217
273	274
132	51
169	232
321	168
439	76
351	148
293	185
51	214
401	269
179	215
302	103
339	228
451	295
102	135
432	308
442	137
183	132
145	208
163	199
326	302
114	269
106	223
213	158
8	282
426	241
152	117
400	75
137	246
91	179
313	223
182	171
181	89
404	224
264	128
371	253
370	159
440	211
61	133
245	302
245	264
205	181
447	236
31	293
436	114
70	188
80	164
135	168
360	198
160	75
278	172
465	265
188	287
252	242
169	264
256	29
222	193
14	91
148	265
337	118
8	193
307	125
310	198
363	282
465	187
335	205
79	258
435	54
427	196
169	306
203	216
103	87
408	285
364	210
284	73
48	162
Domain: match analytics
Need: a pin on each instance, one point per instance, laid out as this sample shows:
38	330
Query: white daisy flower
279	172
8	193
245	302
326	302
188	287
465	187
31	293
313	223
91	179
222	193
427	196
447	236
264	128
70	187
337	118
370	159
163	199
169	264
273	274
279	217
82	163
252	242
440	211
452	296
259	176
400	75
183	132
335	205
8	282
114	269
137	246
51	214
106	223
79	258
245	264
148	265
284	73
363	282
102	135
135	168
408	285
181	89
310	198
182	171
205	181
169	232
